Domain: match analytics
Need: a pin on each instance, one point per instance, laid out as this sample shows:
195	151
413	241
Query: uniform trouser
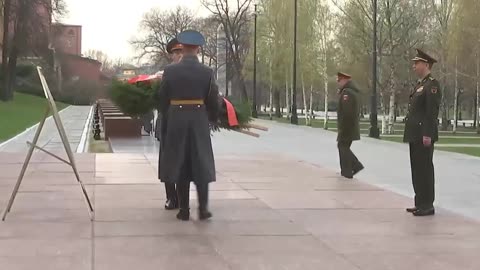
423	176
348	161
171	191
183	189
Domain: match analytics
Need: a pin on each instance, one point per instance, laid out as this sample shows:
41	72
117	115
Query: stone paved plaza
270	212
278	204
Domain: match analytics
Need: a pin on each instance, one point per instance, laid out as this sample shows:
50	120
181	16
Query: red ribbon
231	114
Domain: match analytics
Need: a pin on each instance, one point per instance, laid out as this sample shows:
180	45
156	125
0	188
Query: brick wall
74	66
67	38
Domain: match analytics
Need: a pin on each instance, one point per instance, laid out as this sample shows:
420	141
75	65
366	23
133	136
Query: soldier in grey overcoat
188	97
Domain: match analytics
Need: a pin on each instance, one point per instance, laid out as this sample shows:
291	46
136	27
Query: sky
108	25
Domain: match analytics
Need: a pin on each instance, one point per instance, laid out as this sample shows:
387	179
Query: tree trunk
443	106
311	104
10	76
383	107
237	65
287	96
304	95
455	104
271	91
325	82
276	97
270	113
477	111
391	113
5	51
12	64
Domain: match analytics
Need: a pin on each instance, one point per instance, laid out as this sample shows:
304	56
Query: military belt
177	102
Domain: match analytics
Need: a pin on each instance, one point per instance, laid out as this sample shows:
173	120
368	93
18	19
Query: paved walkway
73	119
277	204
387	163
270	212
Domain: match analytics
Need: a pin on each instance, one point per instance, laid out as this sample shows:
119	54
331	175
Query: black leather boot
204	214
183	214
171	205
424	212
411	210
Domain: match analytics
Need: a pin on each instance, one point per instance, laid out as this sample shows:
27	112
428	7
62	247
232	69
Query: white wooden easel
51	108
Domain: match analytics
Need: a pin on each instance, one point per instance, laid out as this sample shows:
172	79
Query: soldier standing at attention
421	132
174	50
188	96
348	126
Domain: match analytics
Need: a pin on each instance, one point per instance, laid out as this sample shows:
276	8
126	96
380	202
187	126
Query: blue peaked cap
191	37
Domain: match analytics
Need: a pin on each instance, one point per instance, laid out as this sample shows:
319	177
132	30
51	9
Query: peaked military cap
344	75
173	45
191	38
424	57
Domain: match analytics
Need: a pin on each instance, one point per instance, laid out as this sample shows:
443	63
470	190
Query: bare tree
159	28
26	32
208	27
101	57
235	20
443	15
324	25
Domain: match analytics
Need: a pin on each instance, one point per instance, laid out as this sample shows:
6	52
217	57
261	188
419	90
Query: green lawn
445	136
365	125
473	140
23	112
472	151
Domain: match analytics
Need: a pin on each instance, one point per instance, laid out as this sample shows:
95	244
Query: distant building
67	43
126	72
67	38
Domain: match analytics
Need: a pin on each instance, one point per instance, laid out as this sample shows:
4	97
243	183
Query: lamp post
227	57
374	131
254	99
294	119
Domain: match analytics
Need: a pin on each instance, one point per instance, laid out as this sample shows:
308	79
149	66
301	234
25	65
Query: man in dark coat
421	132
188	96
348	126
174	50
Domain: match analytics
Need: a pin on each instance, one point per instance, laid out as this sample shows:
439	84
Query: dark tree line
26	32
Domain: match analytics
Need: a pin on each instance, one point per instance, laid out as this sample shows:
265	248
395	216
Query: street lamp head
255	10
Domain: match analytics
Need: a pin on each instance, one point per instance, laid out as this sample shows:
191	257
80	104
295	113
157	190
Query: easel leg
72	163
25	164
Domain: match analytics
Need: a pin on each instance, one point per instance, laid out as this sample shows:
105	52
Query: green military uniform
348	126
422	122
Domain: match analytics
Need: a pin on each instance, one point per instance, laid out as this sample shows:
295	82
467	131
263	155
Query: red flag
231	115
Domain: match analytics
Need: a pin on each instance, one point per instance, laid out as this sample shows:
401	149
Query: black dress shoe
411	210
358	169
183	215
424	212
171	205
204	214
